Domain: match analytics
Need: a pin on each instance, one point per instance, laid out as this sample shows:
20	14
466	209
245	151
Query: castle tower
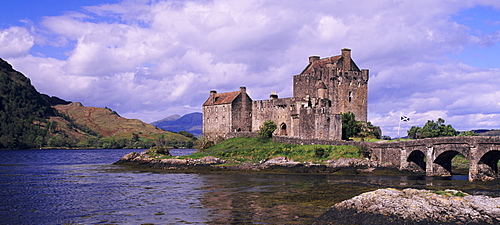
346	86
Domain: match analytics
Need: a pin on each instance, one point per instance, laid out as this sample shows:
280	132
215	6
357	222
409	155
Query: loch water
84	187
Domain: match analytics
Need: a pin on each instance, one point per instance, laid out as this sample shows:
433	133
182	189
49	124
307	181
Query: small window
350	96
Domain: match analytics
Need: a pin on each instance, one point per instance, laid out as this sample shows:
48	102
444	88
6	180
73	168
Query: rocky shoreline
412	206
210	163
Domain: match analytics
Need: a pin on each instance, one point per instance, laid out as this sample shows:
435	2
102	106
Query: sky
149	59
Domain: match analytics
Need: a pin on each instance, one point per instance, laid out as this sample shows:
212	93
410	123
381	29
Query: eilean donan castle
324	90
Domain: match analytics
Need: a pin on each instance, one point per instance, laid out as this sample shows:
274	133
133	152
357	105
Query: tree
350	127
266	130
467	133
432	129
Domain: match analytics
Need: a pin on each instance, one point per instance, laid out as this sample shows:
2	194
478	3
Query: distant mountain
169	119
29	119
191	123
484	132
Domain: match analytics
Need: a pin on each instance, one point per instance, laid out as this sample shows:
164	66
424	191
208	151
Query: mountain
190	122
29	119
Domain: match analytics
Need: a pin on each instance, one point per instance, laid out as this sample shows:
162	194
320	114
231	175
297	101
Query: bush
266	130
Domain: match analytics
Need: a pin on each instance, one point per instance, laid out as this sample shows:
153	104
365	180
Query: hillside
22	109
190	122
29	119
106	122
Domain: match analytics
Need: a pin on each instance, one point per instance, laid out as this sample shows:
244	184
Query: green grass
450	193
252	150
460	162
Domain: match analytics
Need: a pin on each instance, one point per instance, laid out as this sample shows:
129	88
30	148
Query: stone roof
321	63
222	98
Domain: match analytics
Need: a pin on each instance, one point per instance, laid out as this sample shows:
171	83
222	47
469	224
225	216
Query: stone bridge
434	155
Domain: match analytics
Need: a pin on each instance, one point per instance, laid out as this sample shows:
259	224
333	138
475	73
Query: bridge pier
436	168
474	173
404	165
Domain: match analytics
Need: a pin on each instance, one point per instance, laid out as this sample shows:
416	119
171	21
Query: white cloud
154	57
15	42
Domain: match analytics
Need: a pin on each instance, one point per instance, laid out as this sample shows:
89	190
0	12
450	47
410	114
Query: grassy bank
241	150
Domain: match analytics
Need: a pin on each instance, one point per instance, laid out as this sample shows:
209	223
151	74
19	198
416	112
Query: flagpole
399	126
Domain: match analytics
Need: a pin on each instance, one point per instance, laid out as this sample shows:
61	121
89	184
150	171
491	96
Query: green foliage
254	150
187	134
451	193
432	129
350	127
266	130
468	133
22	110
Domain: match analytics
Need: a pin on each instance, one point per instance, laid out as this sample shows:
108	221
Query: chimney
273	95
243	89
346	57
313	58
212	96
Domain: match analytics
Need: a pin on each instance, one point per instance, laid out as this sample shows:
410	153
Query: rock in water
411	206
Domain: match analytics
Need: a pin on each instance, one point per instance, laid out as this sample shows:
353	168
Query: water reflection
57	187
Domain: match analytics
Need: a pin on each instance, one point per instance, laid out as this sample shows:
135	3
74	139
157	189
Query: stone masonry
324	90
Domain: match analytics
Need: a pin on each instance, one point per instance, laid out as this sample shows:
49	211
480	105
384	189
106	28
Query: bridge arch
416	160
443	153
488	163
443	165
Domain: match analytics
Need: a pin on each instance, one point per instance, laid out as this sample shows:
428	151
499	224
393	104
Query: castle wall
216	121
319	124
241	114
277	110
349	92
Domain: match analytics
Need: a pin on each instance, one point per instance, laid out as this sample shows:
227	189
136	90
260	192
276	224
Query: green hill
29	119
22	110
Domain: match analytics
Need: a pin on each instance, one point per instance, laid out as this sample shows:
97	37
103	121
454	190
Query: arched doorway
283	129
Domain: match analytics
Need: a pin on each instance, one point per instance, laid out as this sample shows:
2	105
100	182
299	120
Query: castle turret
321	90
273	95
365	75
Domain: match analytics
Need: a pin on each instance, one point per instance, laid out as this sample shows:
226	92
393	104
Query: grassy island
253	150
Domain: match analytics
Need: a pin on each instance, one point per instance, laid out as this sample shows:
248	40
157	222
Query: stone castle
324	90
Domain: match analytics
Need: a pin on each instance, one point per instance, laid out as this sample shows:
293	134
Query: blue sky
151	59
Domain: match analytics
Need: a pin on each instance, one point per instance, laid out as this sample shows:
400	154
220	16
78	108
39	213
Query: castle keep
324	90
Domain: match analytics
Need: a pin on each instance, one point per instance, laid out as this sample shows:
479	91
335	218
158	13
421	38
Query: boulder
412	206
130	156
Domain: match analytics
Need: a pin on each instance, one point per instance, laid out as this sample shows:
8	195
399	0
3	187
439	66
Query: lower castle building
324	90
